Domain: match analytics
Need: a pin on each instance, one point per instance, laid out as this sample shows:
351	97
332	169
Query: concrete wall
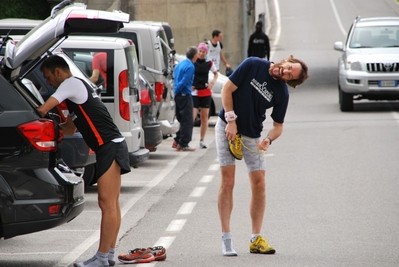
192	21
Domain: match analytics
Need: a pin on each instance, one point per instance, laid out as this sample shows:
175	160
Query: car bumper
152	136
138	156
70	197
358	82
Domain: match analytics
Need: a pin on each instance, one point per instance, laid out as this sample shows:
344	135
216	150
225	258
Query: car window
375	36
165	51
84	58
132	63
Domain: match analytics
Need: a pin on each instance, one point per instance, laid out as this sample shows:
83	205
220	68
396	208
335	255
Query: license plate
387	83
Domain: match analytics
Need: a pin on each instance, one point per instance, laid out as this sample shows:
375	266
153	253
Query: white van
121	93
156	60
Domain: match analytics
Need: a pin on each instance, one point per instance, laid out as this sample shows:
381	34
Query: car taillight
124	106
159	88
40	133
54	209
145	98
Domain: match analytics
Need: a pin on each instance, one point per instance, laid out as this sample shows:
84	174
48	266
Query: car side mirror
339	46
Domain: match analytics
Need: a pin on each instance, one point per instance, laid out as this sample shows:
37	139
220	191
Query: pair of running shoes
144	255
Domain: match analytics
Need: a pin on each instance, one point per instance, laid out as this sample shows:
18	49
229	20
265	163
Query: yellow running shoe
235	147
260	246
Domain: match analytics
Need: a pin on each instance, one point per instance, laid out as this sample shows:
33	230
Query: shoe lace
238	143
135	250
261	242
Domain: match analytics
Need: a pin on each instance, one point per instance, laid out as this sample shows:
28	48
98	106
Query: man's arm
249	51
47	106
95	75
215	78
273	134
186	79
267	47
227	102
68	127
224	59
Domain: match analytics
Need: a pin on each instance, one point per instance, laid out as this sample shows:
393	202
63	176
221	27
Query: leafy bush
28	9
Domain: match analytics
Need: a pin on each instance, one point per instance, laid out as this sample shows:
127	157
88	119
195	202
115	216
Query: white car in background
216	104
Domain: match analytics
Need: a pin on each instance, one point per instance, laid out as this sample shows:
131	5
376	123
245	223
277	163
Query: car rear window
83	58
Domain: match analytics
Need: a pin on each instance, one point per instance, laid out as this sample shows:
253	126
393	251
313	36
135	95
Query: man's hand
264	145
231	130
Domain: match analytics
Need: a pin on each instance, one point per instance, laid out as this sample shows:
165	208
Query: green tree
28	9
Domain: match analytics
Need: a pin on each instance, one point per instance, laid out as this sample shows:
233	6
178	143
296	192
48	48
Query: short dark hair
52	62
191	52
216	33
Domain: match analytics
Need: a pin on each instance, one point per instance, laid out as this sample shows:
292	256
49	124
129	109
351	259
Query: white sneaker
202	144
227	247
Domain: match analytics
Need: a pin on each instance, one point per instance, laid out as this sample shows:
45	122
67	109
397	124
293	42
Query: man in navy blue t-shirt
255	86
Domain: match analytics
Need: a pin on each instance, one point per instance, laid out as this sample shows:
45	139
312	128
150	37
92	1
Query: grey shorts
253	157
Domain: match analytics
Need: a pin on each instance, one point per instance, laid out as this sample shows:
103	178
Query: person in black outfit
90	116
258	45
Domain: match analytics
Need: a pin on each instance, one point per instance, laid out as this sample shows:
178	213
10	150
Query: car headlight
354	65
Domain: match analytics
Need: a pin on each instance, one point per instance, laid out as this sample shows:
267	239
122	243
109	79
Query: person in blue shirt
255	86
184	76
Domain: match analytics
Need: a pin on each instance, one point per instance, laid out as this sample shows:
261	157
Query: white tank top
214	54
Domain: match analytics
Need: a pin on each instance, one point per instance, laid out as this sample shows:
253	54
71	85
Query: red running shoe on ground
138	255
174	144
159	253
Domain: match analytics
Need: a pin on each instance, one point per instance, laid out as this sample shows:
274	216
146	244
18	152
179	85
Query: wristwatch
270	140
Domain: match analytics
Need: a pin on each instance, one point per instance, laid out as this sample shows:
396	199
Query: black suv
37	189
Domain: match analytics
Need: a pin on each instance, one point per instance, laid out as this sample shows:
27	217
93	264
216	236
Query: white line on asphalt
176	225
337	17
198	191
206	179
165	241
213	167
278	27
187	208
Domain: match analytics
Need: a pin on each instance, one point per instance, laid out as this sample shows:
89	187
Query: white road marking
206	179
186	208
176	225
198	191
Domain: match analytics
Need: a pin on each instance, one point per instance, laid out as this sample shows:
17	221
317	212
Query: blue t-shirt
257	91
184	77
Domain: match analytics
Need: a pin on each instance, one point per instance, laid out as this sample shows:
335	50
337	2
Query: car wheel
345	100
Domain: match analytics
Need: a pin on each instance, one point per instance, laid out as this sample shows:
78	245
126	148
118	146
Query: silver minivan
156	61
121	93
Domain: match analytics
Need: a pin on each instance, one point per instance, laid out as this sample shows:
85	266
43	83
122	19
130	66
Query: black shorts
109	152
202	102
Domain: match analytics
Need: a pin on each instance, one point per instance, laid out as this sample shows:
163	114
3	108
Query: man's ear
57	72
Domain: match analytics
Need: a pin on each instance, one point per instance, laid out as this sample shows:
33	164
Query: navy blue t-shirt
257	91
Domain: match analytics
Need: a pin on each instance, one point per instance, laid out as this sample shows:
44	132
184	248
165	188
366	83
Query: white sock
254	236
